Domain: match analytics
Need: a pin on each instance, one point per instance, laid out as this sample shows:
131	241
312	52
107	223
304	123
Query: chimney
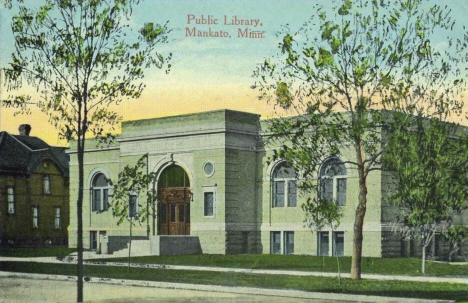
24	129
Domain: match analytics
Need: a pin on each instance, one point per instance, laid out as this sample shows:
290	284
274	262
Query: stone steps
139	248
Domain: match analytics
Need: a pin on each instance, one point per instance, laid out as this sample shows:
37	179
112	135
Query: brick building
34	194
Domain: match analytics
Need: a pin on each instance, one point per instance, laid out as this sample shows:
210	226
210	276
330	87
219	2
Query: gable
47	166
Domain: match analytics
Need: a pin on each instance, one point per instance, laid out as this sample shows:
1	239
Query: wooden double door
174	211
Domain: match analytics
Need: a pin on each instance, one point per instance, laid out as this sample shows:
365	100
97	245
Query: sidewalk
72	259
234	290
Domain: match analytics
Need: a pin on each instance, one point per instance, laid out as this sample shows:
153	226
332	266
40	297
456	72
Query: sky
207	73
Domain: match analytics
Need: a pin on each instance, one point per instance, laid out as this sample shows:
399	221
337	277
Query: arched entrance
174	202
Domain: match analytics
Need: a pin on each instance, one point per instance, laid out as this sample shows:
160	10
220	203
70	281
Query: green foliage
133	180
456	235
429	160
382	266
456	232
283	94
28	252
321	213
343	69
399	289
80	57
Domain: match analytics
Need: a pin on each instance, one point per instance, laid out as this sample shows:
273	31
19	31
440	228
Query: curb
233	290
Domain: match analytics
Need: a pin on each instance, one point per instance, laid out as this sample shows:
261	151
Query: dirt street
15	290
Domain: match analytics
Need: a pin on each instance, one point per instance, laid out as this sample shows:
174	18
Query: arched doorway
174	202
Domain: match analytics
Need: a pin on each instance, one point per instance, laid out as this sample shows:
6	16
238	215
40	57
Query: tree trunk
79	210
130	244
423	265
360	214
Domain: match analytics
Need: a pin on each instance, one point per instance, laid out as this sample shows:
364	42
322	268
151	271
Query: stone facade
224	157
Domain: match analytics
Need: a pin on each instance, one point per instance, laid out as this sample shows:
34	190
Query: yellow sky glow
154	103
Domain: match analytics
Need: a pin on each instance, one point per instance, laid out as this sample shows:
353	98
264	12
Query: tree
81	57
429	160
341	68
133	182
322	212
456	235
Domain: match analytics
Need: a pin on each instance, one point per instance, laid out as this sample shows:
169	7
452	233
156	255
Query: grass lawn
26	252
319	284
387	266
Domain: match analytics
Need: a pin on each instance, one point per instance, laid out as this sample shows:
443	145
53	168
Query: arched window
333	181
284	185
173	176
100	192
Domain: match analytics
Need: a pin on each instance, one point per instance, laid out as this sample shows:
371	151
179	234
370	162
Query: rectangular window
181	213
338	244
100	199
245	242
292	193
187	213
341	191
105	201
275	246
278	199
405	247
209	204
58	218
173	212
437	244
282	242
93	240
327	188
163	213
96	199
11	200
35	216
46	184
322	243
133	206
288	242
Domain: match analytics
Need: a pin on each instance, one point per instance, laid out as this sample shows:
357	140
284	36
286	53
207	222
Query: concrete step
139	248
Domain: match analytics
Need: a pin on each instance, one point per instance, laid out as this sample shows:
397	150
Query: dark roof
33	143
23	154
